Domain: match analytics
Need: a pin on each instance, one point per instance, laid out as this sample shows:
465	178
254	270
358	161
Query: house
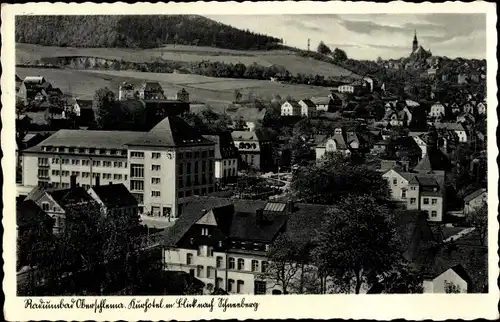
325	103
226	157
126	91
481	108
291	108
307	108
182	95
475	200
83	111
468	108
254	148
57	203
437	110
455	109
417	191
380	147
33	89
223	242
443	282
461	79
334	144
456	127
115	200
151	91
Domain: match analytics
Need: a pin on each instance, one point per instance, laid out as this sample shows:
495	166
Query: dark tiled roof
28	214
293	103
238	218
84	104
115	195
474	194
224	145
309	103
172	131
414	232
71	197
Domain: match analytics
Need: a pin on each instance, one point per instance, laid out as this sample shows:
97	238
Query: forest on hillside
145	31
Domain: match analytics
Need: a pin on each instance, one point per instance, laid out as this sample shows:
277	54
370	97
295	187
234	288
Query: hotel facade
161	167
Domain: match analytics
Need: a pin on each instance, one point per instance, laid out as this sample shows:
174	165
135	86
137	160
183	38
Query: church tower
415	42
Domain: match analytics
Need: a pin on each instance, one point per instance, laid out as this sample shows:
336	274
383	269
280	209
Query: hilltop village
243	201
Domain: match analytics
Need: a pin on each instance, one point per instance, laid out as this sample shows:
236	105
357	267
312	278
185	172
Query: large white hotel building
161	167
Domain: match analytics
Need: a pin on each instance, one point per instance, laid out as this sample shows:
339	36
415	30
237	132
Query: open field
26	53
217	92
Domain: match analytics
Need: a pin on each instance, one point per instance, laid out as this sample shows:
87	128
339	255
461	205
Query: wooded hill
145	31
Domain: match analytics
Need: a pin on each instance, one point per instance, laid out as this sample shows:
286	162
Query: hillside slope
144	31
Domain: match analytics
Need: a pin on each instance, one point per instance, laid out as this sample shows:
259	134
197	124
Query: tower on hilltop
415	42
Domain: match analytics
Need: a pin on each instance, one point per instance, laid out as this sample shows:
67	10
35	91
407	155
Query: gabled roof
224	145
308	103
474	194
424	165
151	86
28	214
70	197
323	100
293	103
115	195
414	232
84	104
172	131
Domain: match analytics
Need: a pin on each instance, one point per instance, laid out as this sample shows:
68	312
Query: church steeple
415	42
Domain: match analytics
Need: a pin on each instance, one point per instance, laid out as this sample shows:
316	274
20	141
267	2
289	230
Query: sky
368	36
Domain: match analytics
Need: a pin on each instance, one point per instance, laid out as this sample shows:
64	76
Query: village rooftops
294	103
449	126
309	103
172	131
151	86
29	214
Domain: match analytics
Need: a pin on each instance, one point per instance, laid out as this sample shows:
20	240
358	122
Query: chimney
97	181
259	216
72	181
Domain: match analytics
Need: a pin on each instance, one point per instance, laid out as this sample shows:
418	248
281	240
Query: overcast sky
368	36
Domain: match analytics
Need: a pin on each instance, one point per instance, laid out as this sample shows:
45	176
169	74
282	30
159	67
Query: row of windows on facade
83	162
229	162
84	150
243	145
180	155
195	166
260	286
65	173
233	263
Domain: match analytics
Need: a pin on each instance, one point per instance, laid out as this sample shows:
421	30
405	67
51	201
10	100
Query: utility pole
308	44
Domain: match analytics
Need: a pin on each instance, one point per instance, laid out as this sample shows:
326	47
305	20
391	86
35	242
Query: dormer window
204	231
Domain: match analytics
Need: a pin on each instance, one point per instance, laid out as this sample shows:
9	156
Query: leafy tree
335	178
323	49
356	243
450	287
208	121
404	280
287	264
104	104
339	55
479	219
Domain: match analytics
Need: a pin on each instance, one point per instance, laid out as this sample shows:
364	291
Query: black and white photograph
251	156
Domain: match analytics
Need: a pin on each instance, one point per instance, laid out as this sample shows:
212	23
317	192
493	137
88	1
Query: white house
308	108
291	108
453	278
457	128
323	103
437	110
481	108
475	200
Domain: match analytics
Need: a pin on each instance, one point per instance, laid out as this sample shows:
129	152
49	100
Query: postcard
260	160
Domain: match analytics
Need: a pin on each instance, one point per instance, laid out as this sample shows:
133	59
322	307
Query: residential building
325	103
255	150
481	108
334	144
126	91
291	108
182	96
456	127
468	108
58	203
437	110
151	91
475	200
33	89
454	277
226	157
357	87
223	242
308	108
418	191
143	161
115	200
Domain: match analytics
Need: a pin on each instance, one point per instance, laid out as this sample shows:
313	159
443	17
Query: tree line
141	31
